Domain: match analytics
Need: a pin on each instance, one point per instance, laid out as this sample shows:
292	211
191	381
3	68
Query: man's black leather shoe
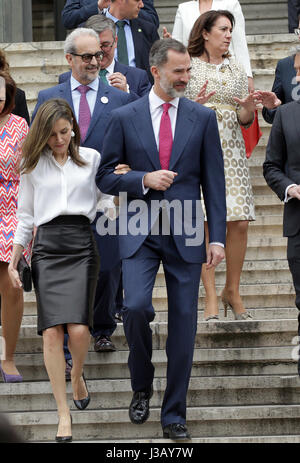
176	431
139	407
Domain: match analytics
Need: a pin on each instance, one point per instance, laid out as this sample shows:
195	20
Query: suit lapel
184	128
143	124
66	94
120	68
137	37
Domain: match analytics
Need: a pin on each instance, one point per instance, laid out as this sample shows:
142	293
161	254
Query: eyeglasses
106	45
87	57
297	31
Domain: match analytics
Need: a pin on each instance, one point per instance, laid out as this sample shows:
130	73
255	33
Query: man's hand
103	4
294	192
159	180
215	255
166	34
121	169
118	80
269	99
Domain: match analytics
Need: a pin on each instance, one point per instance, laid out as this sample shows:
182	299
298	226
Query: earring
72	133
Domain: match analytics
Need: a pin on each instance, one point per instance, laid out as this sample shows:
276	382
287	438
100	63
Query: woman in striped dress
13	130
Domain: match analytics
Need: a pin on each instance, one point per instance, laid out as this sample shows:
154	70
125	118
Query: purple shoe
10	378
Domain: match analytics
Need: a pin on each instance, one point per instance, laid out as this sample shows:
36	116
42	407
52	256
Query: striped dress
11	136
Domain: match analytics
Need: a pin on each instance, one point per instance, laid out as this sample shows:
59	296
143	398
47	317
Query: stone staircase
244	385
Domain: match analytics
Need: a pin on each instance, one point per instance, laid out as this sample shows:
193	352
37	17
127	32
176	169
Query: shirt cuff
145	189
218	244
286	196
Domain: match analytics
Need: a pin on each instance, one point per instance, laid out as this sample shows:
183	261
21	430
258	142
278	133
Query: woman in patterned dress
13	130
221	84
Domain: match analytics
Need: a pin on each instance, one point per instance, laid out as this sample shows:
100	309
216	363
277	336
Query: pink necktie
165	137
84	118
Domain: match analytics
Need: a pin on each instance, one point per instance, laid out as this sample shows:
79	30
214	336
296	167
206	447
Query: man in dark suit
127	78
164	185
285	87
282	173
76	12
83	53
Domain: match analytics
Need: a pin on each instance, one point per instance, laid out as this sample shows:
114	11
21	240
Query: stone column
15	21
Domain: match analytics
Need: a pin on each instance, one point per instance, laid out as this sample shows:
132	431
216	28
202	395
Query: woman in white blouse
188	12
58	195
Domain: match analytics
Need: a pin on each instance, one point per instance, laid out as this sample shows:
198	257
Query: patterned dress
228	80
11	136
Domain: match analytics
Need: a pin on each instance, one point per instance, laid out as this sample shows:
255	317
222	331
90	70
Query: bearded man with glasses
126	78
92	102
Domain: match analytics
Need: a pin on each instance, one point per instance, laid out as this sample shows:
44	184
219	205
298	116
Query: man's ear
155	72
69	58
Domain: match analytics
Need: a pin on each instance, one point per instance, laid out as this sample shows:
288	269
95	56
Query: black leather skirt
65	267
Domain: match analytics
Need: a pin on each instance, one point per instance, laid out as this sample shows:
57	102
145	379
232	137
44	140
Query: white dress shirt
91	95
156	111
187	14
52	189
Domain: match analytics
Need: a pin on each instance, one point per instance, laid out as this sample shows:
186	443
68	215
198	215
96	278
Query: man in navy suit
83	53
126	78
76	12
285	87
173	148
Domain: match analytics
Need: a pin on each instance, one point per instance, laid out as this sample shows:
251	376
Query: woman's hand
269	99
202	97
250	103
121	169
14	277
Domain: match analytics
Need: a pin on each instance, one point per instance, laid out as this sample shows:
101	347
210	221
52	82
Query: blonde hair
40	131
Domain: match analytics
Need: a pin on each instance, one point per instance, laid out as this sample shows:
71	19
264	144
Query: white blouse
187	14
52	189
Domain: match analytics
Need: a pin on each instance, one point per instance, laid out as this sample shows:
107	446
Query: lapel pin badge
104	99
140	30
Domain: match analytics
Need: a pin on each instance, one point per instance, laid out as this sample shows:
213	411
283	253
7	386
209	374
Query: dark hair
4	66
10	89
47	115
159	51
205	22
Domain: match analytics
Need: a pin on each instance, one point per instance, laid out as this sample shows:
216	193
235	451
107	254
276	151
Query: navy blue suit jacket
100	117
284	85
107	245
196	157
76	12
137	79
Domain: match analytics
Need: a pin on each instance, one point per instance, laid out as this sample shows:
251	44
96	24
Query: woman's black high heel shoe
83	403
64	439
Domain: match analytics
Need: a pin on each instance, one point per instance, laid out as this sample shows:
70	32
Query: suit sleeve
277	88
113	153
149	13
41	99
213	181
276	158
76	12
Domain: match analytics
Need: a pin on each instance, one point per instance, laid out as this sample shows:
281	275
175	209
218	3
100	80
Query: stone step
207	362
117	394
231	333
260	420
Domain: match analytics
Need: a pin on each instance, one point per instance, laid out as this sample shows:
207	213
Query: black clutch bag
24	274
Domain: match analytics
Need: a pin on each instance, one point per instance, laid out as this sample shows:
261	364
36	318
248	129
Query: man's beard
169	89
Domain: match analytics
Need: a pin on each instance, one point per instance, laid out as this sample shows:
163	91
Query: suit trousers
293	256
182	281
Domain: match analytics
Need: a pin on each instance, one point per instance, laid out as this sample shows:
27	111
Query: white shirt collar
93	85
111	67
155	101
